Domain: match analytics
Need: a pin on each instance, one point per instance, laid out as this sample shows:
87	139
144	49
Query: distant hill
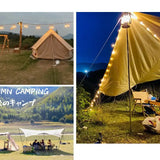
57	106
81	67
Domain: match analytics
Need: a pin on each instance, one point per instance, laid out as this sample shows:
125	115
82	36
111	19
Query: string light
117	38
107	70
155	36
112	45
1	27
38	27
142	23
113	52
25	26
111	59
109	65
51	27
13	27
67	25
148	29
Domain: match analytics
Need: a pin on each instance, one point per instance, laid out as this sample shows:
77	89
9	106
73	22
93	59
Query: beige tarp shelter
29	132
52	46
144	50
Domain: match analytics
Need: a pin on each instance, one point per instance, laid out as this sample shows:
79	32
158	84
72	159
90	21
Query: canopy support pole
129	85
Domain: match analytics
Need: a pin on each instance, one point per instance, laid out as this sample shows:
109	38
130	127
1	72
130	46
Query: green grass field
65	152
112	120
19	68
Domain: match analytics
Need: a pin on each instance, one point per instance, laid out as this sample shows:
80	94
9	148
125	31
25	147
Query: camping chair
139	98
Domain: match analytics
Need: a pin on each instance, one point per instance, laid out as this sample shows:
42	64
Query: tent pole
129	85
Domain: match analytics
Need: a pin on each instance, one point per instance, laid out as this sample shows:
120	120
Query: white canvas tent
52	46
29	132
12	146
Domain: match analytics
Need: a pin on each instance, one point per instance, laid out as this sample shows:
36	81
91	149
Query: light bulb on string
25	25
38	27
51	27
13	27
1	27
67	25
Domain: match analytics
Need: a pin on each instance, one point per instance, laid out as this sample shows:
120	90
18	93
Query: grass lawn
112	120
65	152
19	68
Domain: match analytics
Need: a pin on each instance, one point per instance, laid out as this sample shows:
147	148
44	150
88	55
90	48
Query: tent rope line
101	50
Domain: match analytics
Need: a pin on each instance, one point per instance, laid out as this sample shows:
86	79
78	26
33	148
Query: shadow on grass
5	152
48	153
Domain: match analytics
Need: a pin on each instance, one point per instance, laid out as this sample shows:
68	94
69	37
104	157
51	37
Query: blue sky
37	18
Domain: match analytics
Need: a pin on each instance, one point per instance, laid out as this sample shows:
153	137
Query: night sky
93	28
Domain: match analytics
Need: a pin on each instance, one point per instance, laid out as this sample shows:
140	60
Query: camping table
153	102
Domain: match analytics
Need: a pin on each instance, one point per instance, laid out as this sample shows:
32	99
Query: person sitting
50	146
42	144
35	144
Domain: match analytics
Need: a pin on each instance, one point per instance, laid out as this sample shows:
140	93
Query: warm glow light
105	75
25	26
111	59
38	27
51	27
67	25
148	29
96	96
98	92
155	36
102	80
112	45
117	38
13	27
126	19
107	70
109	65
113	52
100	84
142	23
1	27
94	100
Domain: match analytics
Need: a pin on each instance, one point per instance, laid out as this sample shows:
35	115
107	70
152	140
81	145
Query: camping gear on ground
52	46
152	124
10	144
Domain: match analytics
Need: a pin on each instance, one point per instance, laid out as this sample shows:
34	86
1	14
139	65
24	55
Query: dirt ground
19	68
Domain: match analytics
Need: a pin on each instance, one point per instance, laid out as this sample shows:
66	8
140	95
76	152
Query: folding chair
139	98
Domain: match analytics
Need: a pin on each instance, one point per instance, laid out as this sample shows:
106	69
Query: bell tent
52	46
11	145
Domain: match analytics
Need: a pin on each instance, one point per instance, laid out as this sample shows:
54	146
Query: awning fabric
29	132
144	50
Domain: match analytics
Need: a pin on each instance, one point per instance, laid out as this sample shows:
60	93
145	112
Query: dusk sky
37	18
93	28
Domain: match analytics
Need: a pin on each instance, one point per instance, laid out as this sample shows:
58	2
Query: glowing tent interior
144	50
52	46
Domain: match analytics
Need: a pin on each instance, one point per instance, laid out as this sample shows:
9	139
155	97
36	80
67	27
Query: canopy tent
12	146
29	132
52	46
144	50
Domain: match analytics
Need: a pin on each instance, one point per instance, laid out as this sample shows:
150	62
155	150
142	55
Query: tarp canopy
5	133
29	132
144	50
52	46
